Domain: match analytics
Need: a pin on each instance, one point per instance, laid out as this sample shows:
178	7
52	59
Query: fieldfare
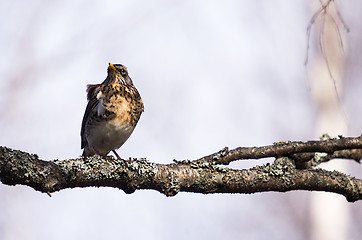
113	110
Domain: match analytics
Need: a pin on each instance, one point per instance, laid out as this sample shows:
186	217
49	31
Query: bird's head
120	73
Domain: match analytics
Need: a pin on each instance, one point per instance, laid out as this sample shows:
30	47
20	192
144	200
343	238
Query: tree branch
199	176
287	149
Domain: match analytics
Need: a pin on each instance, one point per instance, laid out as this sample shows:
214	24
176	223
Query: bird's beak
112	67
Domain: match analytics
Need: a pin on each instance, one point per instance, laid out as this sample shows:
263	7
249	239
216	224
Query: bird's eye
123	72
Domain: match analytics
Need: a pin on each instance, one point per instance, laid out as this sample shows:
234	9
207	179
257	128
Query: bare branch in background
327	14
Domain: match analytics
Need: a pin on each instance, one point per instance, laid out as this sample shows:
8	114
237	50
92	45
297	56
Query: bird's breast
108	135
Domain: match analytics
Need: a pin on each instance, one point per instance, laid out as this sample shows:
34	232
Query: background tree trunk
326	78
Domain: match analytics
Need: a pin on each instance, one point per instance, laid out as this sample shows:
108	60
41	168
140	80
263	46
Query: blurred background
211	74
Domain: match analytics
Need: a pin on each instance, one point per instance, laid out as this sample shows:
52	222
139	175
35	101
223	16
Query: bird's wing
92	91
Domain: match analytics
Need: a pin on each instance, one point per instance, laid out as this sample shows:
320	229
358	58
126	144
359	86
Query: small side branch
280	149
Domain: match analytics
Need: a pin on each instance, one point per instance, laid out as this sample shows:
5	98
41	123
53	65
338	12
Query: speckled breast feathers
113	110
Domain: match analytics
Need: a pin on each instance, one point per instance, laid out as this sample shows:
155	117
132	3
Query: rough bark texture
293	169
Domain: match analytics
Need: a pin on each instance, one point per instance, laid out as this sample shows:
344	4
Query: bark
293	169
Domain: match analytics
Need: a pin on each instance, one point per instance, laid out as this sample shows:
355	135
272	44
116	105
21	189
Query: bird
112	113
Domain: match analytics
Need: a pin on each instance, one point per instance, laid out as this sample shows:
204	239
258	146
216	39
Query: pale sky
211	74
